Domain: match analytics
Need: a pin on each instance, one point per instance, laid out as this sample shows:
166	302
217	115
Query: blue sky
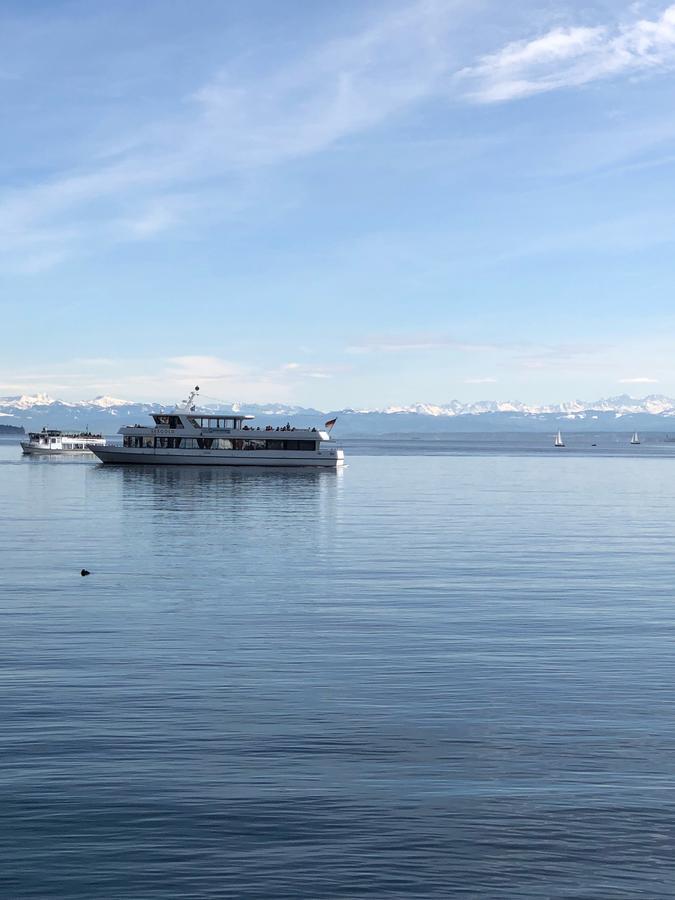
337	203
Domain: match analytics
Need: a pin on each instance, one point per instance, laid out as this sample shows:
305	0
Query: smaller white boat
558	442
635	439
51	441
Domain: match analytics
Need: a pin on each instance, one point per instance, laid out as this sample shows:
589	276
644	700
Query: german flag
329	424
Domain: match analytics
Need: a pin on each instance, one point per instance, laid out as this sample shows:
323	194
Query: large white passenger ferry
51	441
190	437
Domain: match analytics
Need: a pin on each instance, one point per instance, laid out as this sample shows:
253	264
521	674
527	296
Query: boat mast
188	404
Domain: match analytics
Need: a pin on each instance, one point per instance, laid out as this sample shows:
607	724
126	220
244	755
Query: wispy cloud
640	380
516	354
417	343
571	57
229	127
167	379
567	359
340	88
299	371
204	158
244	381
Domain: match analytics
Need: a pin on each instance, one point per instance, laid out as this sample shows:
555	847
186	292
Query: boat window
175	422
162	420
291	445
256	444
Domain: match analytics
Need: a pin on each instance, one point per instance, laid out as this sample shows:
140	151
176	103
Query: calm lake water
440	675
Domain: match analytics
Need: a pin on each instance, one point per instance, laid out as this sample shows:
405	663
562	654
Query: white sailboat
558	441
635	439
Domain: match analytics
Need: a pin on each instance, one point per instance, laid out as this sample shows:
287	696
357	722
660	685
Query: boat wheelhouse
53	441
188	436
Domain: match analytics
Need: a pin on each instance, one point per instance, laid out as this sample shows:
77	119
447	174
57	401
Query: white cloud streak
480	381
639	380
417	343
571	57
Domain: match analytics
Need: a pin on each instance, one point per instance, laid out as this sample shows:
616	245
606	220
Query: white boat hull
160	457
31	450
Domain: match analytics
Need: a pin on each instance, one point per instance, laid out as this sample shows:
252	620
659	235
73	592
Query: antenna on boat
189	403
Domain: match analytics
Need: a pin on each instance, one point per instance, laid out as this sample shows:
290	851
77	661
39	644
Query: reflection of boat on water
635	439
52	442
159	497
558	442
188	437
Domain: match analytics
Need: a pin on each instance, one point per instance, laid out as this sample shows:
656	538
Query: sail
635	439
558	441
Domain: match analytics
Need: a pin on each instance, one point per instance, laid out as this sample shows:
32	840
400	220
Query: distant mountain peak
27	401
104	402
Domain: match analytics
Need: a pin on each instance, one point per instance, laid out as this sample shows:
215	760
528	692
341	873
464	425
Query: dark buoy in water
84	572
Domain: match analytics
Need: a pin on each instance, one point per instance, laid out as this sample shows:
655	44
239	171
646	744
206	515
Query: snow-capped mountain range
107	414
28	401
622	405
